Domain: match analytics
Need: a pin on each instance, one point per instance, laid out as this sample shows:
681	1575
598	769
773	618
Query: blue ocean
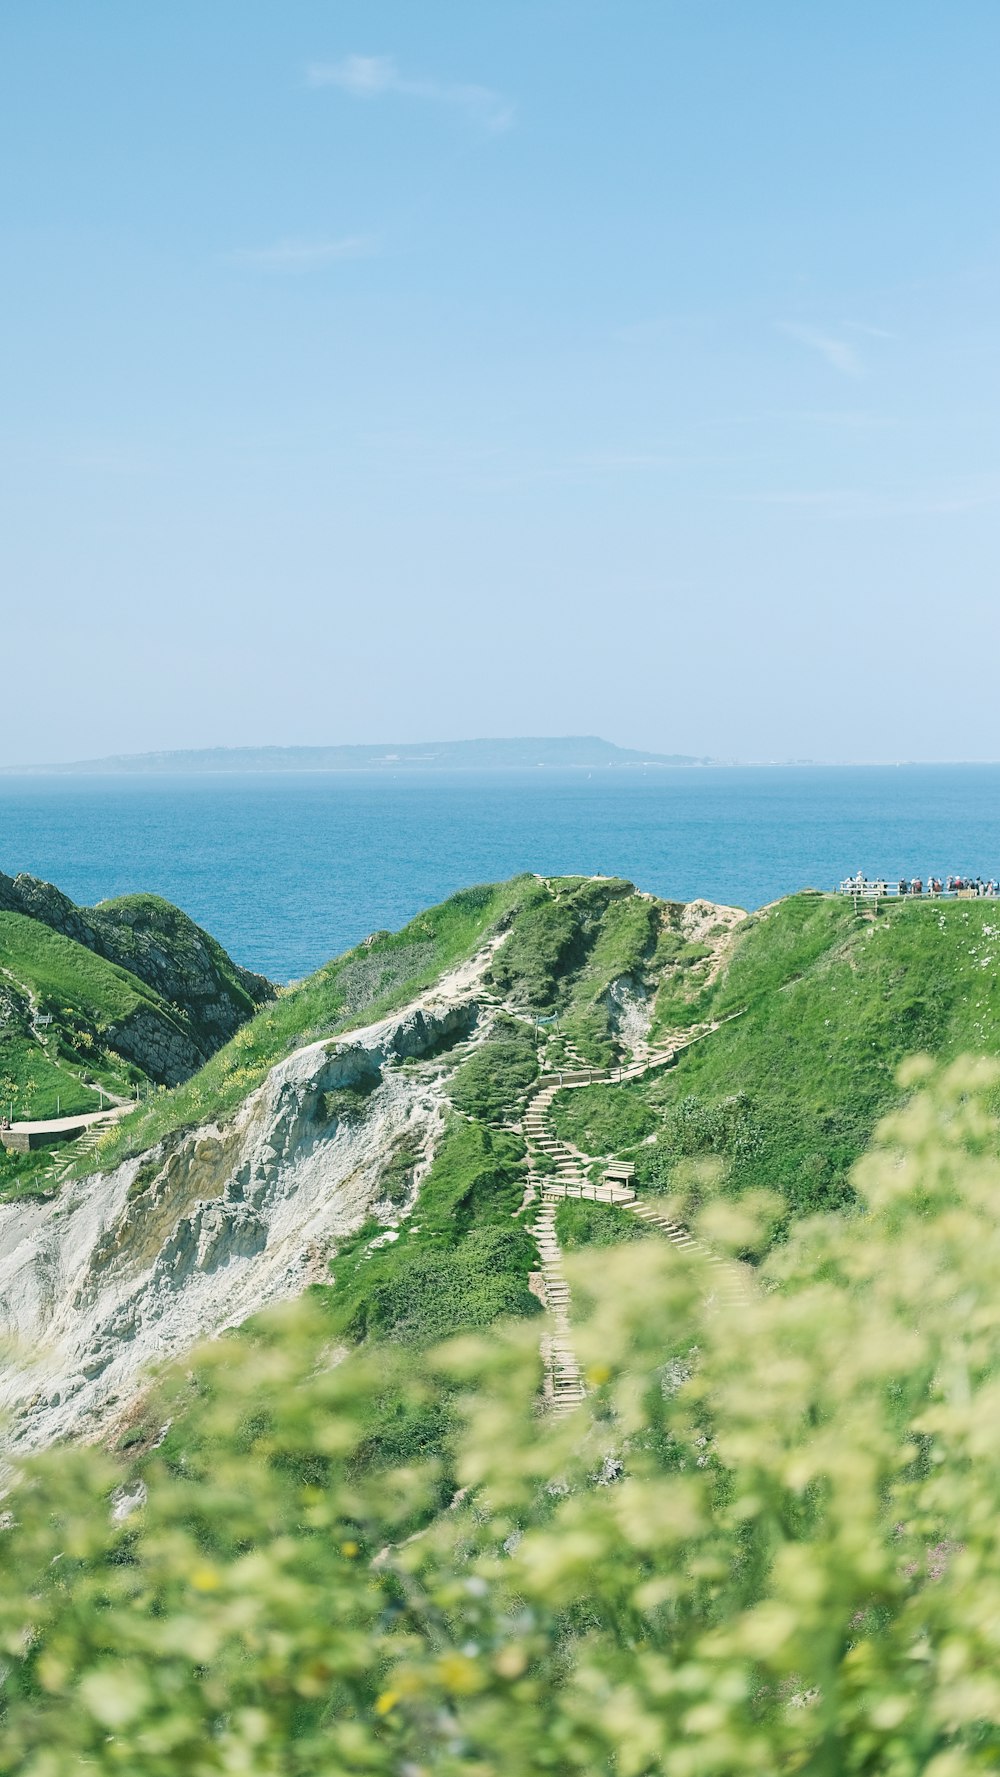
289	870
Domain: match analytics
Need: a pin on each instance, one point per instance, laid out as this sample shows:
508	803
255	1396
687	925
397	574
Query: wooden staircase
564	1175
67	1156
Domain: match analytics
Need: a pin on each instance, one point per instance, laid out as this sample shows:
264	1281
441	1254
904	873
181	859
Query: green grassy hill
818	1006
787	1092
46	977
816	1009
463	1262
565	943
129	995
162	947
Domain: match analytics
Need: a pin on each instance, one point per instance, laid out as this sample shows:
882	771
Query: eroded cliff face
133	1266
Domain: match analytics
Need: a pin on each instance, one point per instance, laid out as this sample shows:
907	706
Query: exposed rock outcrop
165	1051
630	1010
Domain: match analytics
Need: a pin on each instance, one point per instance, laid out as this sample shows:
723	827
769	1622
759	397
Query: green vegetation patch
567	949
78	998
422	1294
398	1173
543	947
25	1175
623	945
683	997
581	1223
458	1262
787	1093
604	1119
491	1084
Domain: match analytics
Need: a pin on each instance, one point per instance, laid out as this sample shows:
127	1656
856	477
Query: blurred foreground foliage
768	1543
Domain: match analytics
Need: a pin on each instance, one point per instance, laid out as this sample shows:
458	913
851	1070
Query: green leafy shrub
432	1278
768	1543
425	1294
589	1027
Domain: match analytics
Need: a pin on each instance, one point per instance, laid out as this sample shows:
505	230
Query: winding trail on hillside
557	1170
38	1025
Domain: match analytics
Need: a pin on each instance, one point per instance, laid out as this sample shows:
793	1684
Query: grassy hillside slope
46	976
565	942
158	944
786	1094
129	995
817	1007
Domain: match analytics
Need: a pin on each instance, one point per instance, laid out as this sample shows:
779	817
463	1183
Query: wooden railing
890	891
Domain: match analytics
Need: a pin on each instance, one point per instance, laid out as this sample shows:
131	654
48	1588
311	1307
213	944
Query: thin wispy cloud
297	255
674	329
374	77
846	418
948	500
840	354
870	331
853	419
613	460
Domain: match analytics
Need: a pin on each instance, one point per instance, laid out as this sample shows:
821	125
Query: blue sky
389	371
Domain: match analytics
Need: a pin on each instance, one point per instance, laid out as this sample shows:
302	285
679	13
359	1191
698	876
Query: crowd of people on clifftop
966	887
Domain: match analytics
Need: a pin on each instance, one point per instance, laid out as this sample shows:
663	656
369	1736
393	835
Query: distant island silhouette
574	751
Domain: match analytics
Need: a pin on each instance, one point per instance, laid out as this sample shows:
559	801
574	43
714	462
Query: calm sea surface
287	871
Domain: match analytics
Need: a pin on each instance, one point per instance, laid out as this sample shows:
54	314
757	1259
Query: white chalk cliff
129	1268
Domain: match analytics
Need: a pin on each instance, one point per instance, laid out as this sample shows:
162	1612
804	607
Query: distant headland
582	752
